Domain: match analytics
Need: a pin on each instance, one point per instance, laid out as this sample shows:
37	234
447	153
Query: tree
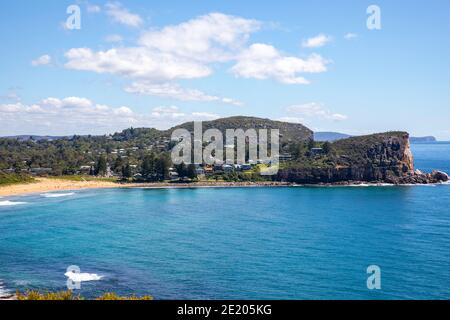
181	170
118	164
148	165
311	144
326	147
126	171
191	172
162	167
100	169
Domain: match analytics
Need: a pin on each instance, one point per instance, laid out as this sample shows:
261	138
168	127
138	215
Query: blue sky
159	63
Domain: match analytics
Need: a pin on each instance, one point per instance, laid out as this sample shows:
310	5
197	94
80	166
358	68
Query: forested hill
288	131
66	155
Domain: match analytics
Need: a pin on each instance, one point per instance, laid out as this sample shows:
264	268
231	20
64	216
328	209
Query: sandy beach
43	185
51	185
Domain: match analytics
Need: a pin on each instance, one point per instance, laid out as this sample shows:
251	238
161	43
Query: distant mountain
335	136
330	136
36	138
422	139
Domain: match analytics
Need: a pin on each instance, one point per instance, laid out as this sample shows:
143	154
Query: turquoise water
259	243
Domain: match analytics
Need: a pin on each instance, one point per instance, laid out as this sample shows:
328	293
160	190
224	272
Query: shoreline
45	185
49	185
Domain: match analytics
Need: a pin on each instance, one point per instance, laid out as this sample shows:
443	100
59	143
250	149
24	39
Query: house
227	168
316	151
209	170
85	169
174	175
37	171
200	171
285	157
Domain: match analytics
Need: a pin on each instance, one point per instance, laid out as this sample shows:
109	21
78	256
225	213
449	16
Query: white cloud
191	50
114	38
315	110
350	36
174	113
212	37
198	116
136	62
121	15
92	8
174	91
69	102
77	115
183	51
292	119
42	60
317	41
262	61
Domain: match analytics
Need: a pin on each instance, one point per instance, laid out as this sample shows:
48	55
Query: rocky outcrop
379	158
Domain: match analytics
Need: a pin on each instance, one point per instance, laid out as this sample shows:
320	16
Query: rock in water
439	176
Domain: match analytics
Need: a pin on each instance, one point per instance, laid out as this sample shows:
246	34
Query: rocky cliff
383	158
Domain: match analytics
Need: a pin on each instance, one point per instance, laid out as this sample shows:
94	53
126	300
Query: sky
161	63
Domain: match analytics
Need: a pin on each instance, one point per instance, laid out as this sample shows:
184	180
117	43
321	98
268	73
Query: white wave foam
3	291
83	277
57	195
8	203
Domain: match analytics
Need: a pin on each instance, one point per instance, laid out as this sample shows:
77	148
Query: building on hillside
316	151
227	168
174	176
285	157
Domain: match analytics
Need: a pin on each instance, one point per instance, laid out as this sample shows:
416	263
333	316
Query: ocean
235	243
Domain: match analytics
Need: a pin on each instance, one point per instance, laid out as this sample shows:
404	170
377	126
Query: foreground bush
36	295
68	295
113	296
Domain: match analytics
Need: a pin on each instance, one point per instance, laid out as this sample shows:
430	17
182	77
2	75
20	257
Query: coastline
43	185
48	185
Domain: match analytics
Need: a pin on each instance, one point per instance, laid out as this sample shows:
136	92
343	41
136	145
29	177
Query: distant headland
334	136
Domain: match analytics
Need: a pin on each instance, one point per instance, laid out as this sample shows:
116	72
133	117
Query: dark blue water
432	156
260	243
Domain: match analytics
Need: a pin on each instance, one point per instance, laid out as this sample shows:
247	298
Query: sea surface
240	243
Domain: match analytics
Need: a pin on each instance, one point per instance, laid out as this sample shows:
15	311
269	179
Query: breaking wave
3	291
57	195
83	277
8	203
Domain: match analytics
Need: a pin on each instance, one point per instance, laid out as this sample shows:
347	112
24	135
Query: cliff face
376	158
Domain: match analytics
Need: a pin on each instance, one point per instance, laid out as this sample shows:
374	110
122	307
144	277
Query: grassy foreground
69	295
81	178
7	179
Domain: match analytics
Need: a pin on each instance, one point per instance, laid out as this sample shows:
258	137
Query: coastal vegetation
69	295
14	178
